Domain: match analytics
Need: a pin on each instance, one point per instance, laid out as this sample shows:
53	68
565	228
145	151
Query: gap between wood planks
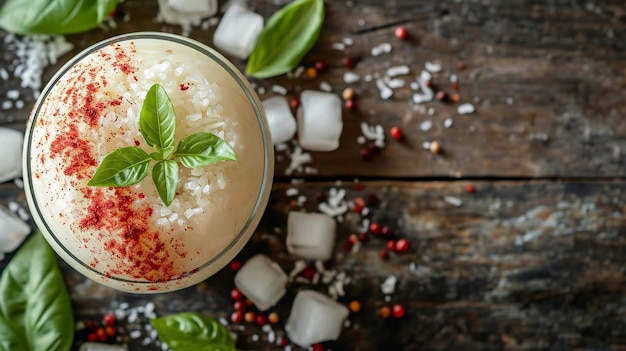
349	179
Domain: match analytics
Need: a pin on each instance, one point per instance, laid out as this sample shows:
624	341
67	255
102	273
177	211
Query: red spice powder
75	150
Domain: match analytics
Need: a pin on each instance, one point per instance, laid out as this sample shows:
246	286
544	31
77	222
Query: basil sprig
192	331
35	307
54	16
287	36
157	123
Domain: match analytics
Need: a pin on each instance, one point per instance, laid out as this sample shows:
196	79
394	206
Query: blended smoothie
125	237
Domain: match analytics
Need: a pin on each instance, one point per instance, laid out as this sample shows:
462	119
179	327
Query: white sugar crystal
338	46
325	86
314	318
297	159
432	67
426	145
19	104
361	139
279	89
310	235
262	281
10	158
350	77
389	285
452	200
398	70
385	91
319	121
426	93
4	75
281	121
292	192
333	211
431	111
465	108
448	123
135	334
12	230
454	78
395	83
13	94
426	125
238	30
6	105
348	41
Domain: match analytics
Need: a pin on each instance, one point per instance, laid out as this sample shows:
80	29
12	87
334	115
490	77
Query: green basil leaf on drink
157	120
165	178
203	149
287	37
35	307
193	331
54	16
123	167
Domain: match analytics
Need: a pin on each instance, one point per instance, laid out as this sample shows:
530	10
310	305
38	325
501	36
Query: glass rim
259	205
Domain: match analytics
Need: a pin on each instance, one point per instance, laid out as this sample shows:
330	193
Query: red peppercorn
455	86
308	272
239	306
441	95
294	103
375	228
398	311
384	254
347	245
470	188
359	187
354	238
235	265
109	320
386	230
102	335
320	66
318	347
236	317
366	155
261	320
391	245
90	325
320	197
357	208
401	33
460	66
363	237
93	337
396	133
347	62
282	342
235	294
349	105
402	245
372	199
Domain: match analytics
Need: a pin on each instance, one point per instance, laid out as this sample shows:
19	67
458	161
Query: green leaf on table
54	16
35	308
165	178
157	120
193	331
122	167
288	35
203	149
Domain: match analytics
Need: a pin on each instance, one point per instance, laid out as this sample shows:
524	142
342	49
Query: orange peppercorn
273	318
456	97
250	317
354	306
311	72
384	312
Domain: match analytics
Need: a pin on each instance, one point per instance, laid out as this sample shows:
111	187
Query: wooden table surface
534	259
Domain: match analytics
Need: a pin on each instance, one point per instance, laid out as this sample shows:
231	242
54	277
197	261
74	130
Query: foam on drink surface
128	233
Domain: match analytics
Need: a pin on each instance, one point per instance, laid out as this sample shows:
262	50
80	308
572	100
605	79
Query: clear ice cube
237	32
281	120
92	346
262	281
310	235
314	318
11	156
206	8
12	230
319	121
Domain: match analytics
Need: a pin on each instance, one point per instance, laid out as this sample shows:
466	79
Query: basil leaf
165	178
202	149
54	16
193	331
122	167
157	120
288	35
35	308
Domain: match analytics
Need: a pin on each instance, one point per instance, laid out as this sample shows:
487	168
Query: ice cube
310	235
11	156
314	318
92	346
319	121
237	32
281	120
206	8
12	230
262	281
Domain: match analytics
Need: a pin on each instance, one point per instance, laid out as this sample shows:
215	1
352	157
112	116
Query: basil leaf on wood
287	36
123	167
157	121
54	16
165	178
35	308
202	149
193	331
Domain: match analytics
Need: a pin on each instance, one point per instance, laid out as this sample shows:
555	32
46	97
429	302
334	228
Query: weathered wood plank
547	79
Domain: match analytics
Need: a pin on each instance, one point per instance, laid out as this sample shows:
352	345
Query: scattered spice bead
239	306
349	105
320	197
460	66
347	62
261	320
348	93
384	254
102	335
384	312
456	97
398	311
311	72
372	199
441	96
235	265
391	245
249	317
375	228
353	238
282	342
363	237
93	337
373	149
386	230
236	317
402	245
455	86
354	306
359	187
401	33
366	155
317	347
320	66
110	331
308	272
249	302
273	318
357	208
90	325
396	133
347	245
294	103
235	294
470	188
435	148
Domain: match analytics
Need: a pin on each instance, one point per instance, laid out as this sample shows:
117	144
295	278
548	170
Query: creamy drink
126	237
